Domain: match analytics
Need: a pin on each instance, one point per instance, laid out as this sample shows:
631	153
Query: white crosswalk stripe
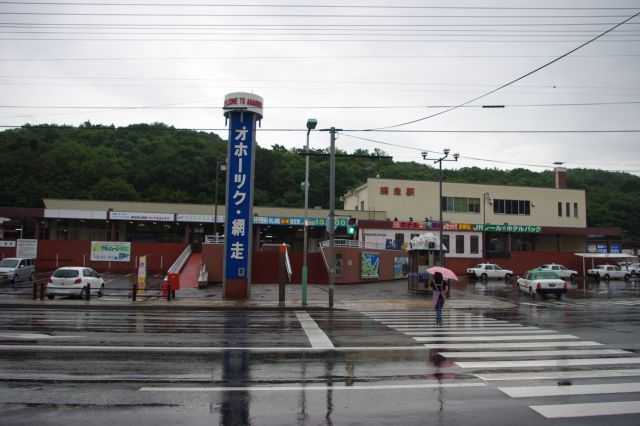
529	354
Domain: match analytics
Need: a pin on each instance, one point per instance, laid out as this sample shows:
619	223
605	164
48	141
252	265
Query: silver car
16	269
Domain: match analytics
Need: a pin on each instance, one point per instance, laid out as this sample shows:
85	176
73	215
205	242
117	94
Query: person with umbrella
439	289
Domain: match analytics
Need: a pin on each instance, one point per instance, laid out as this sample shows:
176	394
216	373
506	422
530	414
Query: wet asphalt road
69	366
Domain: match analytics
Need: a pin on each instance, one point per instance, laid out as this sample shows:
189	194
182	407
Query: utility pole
439	160
332	206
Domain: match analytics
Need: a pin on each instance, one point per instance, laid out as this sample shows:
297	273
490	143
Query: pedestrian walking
439	288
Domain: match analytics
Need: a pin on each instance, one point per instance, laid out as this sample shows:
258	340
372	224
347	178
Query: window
559	209
512	207
384	190
410	192
445	242
575	209
461	204
473	244
397	191
459	243
361	205
567	209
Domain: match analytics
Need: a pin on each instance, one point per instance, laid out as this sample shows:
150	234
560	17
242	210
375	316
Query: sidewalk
379	295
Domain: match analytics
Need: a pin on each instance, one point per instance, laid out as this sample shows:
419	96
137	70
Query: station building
516	227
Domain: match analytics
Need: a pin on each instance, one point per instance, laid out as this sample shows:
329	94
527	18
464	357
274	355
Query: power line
263	129
469	158
305	15
301	6
513	81
321	107
302	57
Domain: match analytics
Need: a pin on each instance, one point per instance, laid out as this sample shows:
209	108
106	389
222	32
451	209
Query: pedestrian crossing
578	304
554	366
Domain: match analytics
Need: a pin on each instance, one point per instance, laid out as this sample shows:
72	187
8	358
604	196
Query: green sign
530	229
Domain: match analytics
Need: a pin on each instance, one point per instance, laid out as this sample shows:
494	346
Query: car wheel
101	291
558	296
82	293
32	276
626	277
15	278
606	277
507	277
572	277
51	296
483	277
533	293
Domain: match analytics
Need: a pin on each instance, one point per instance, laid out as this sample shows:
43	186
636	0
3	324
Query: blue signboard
238	220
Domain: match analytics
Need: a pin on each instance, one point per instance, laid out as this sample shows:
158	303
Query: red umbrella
446	273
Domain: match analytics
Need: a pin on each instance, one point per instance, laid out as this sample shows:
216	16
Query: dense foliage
156	162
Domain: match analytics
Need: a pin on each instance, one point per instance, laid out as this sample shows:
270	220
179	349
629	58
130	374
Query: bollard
42	287
134	291
168	292
87	291
35	291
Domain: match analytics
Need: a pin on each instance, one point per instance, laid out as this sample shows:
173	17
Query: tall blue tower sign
243	110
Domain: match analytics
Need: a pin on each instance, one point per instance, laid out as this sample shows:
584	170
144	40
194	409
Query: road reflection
235	407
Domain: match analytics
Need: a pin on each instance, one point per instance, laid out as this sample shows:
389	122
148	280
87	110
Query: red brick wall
54	254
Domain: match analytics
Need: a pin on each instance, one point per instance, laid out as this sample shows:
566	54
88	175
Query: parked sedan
489	270
561	270
73	281
608	272
538	281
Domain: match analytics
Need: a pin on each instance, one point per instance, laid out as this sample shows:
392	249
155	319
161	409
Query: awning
593	256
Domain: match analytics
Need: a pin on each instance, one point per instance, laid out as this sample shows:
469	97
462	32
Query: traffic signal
352	224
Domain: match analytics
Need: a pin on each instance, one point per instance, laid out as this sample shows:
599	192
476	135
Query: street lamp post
311	124
486	197
439	160
223	167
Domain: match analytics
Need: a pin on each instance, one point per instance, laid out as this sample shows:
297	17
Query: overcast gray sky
358	65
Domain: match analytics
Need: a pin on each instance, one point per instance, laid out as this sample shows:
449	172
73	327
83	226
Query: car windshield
8	263
65	273
546	275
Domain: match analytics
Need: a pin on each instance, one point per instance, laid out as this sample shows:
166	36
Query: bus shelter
423	252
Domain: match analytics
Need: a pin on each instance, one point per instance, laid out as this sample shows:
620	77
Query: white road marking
498	354
534	391
549	363
552	375
273	388
201	349
490	338
475	333
34	336
505	345
317	337
588	410
445	329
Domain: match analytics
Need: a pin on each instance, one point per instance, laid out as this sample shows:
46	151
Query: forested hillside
155	162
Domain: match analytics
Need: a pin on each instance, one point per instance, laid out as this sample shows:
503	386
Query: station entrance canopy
612	256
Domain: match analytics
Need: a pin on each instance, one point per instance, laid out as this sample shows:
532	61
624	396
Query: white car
632	268
73	281
562	271
608	272
489	270
542	282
